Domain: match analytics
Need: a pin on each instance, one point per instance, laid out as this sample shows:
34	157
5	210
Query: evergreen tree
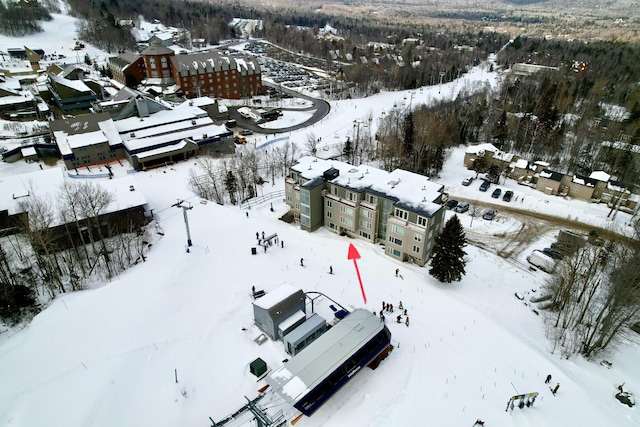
409	134
347	151
493	174
448	261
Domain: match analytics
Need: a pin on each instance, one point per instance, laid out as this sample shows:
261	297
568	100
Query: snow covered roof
160	118
46	183
481	148
199	102
276	296
520	164
307	369
76	85
410	190
549	174
600	176
162	150
84	130
584	180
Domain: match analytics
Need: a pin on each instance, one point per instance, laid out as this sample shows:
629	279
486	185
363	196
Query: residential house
549	181
400	209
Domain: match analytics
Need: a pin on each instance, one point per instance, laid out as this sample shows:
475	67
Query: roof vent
132	135
193	122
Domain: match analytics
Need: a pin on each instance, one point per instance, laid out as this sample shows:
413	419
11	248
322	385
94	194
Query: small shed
305	334
258	367
29	154
276	307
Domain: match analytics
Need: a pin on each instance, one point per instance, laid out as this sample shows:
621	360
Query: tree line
21	18
64	242
595	298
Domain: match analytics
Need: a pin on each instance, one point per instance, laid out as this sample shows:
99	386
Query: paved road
320	106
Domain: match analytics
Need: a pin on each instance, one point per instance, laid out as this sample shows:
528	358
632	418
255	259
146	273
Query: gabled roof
584	180
552	175
214	60
75	85
157	49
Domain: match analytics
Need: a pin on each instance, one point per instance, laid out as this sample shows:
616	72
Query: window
329	204
365	235
365	224
163	60
152	62
352	196
366	213
393	252
395	240
346	210
417	237
289	198
422	221
416	249
399	213
333	226
371	199
334	190
397	230
329	214
346	221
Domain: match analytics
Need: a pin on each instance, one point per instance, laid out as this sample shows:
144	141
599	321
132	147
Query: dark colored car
485	185
488	215
553	253
496	193
508	195
451	204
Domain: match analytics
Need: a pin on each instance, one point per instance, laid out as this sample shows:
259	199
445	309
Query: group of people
388	308
555	389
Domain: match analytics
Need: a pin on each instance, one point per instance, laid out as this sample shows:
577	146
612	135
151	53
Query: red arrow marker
354	255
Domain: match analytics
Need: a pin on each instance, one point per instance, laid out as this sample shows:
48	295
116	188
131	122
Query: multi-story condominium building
209	73
399	209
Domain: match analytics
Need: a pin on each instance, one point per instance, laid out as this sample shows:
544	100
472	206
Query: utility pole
186	220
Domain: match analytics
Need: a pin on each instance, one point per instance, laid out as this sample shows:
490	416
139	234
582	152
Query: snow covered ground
109	355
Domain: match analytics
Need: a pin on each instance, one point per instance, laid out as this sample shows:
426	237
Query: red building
214	74
208	73
128	69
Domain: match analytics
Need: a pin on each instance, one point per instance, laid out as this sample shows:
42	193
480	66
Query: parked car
467	181
488	215
451	204
508	195
485	185
462	207
246	132
553	253
496	193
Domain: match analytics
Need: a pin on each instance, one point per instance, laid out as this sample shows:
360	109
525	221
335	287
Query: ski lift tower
185	208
